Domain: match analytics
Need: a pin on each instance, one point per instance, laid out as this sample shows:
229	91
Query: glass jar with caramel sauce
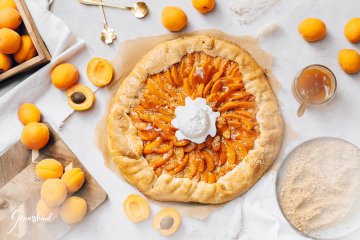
316	84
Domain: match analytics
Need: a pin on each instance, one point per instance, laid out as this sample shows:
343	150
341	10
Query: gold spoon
302	107
139	9
107	35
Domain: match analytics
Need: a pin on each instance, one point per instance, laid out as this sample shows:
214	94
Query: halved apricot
167	221
136	208
100	72
80	97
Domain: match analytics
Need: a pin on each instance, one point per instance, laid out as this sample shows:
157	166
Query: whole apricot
53	192
35	135
64	76
10	18
203	6
349	60
99	72
73	179
352	30
10	41
28	113
27	50
312	29
73	209
49	168
5	62
7	3
173	18
44	211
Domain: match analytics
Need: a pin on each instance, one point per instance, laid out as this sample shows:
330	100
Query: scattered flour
249	10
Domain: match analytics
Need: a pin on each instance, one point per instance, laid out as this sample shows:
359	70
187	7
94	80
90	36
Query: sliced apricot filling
136	208
219	81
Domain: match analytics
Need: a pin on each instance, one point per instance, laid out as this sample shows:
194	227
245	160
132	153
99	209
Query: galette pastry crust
126	147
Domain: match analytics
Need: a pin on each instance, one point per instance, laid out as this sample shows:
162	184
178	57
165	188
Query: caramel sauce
316	84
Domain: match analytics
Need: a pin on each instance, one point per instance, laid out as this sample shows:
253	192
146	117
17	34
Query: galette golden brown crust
250	127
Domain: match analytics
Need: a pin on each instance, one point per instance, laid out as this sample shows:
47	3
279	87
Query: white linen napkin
63	46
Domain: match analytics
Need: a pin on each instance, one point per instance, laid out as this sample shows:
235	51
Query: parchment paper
130	52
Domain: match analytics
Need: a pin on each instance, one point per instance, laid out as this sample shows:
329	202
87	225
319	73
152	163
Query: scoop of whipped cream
195	121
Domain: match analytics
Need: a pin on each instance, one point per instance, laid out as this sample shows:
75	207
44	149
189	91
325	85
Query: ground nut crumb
320	184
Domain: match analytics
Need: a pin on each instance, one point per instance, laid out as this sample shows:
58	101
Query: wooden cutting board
20	188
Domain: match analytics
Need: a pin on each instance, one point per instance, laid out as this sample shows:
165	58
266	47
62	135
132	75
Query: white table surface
261	217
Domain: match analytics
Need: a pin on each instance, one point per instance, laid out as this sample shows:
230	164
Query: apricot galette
160	133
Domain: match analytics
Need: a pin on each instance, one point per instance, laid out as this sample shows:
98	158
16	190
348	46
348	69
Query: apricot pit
136	208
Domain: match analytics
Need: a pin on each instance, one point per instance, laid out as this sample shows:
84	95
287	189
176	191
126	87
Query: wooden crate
43	55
